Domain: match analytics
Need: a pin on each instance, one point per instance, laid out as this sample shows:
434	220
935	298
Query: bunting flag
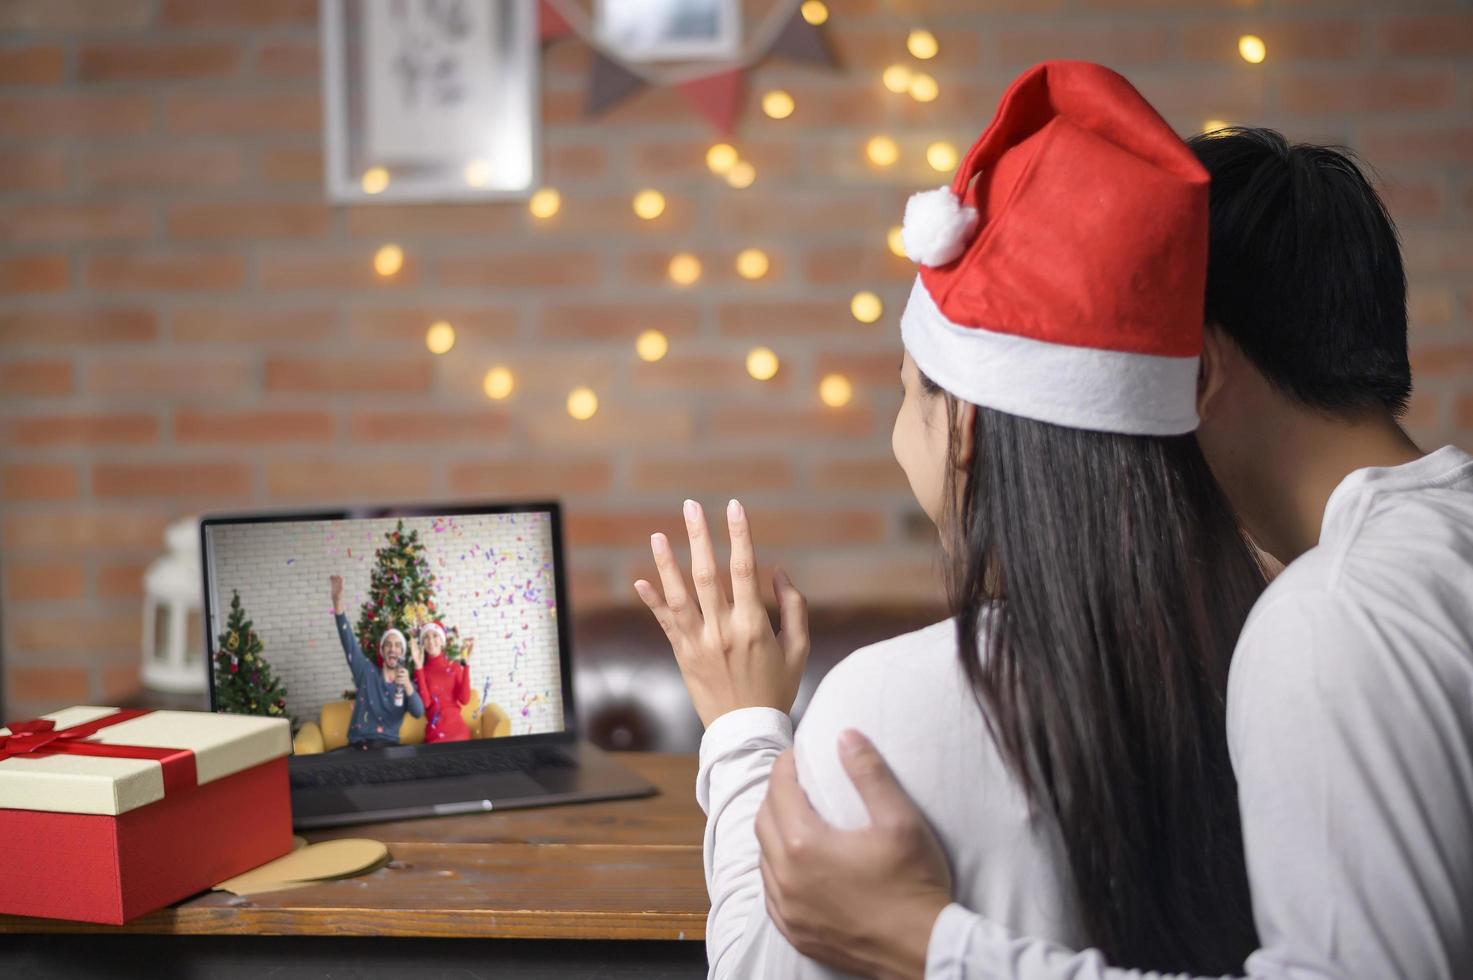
802	41
551	25
714	90
609	83
717	97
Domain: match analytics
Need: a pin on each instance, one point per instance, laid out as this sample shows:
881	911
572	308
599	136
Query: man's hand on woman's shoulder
862	900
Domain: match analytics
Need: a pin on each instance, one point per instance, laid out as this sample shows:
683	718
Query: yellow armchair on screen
330	731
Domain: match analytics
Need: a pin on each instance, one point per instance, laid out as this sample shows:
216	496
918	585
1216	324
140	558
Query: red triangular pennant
551	25
717	97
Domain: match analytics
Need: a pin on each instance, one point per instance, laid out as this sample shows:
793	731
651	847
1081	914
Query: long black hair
1110	579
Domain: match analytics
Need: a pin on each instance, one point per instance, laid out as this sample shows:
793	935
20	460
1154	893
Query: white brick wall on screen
493	580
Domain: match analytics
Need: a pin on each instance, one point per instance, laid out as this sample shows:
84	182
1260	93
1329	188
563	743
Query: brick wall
185	325
493	582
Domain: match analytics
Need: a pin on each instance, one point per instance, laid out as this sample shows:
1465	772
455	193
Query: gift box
106	814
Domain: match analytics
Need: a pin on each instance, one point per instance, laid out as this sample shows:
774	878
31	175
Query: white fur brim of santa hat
1055	383
385	638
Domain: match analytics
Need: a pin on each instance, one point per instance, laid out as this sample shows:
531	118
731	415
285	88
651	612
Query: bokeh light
896	78
375	180
896	242
684	269
866	307
762	363
651	345
752	263
388	260
721	158
498	383
649	204
923	88
835	390
882	151
741	175
582	403
942	156
922	44
440	337
545	203
778	104
478	173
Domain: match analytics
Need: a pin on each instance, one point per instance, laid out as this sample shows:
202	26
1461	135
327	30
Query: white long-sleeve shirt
1350	722
911	698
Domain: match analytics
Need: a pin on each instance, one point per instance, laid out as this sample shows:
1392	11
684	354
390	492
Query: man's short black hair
1304	270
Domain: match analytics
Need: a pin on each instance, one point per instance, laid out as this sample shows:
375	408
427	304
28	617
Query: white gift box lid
61	783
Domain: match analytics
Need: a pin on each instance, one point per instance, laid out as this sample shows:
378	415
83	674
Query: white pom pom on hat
937	227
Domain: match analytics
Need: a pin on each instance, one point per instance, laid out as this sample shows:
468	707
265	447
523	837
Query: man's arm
358	664
875	900
1356	837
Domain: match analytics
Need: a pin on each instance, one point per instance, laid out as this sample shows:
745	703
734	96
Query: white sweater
1350	721
910	697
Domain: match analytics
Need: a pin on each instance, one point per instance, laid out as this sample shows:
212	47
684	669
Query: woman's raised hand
728	654
416	652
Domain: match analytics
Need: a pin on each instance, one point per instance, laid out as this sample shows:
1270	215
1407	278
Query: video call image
447	627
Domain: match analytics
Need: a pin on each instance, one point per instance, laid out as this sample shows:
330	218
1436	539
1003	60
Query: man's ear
1211	370
966	425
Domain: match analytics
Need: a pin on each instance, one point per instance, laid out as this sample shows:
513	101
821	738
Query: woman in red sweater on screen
444	685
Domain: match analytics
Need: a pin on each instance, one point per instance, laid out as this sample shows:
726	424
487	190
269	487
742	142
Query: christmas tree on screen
244	684
401	594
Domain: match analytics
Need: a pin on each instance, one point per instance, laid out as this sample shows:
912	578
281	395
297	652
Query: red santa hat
432	626
1062	271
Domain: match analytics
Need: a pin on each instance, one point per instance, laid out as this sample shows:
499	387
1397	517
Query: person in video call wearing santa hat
443	684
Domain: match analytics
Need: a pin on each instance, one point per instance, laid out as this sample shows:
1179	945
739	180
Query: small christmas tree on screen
401	593
244	684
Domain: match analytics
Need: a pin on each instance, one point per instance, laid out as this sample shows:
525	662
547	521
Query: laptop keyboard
431	767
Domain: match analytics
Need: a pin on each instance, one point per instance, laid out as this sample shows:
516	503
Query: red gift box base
97	868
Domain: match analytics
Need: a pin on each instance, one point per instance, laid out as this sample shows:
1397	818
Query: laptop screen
445	626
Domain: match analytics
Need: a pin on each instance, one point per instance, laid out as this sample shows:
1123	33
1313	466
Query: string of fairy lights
725	161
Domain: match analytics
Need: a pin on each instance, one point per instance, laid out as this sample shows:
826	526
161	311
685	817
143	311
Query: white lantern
173	618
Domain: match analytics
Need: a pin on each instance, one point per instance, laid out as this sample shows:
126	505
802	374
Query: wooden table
622	870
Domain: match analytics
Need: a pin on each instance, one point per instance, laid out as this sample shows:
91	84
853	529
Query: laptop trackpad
430	792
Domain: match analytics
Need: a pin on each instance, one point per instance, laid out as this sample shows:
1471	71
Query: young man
1350	702
385	694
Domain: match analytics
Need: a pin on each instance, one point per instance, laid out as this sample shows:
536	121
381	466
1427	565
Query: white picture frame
429	100
671	30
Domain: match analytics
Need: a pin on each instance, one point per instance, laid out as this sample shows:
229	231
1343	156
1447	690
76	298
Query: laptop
478	717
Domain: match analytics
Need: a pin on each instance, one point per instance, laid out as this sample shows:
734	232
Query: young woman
443	685
1063	732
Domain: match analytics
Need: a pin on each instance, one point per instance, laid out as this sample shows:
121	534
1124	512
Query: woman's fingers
744	591
672	580
656	603
703	565
792	611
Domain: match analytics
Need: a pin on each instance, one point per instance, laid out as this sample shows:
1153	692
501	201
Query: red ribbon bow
40	737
